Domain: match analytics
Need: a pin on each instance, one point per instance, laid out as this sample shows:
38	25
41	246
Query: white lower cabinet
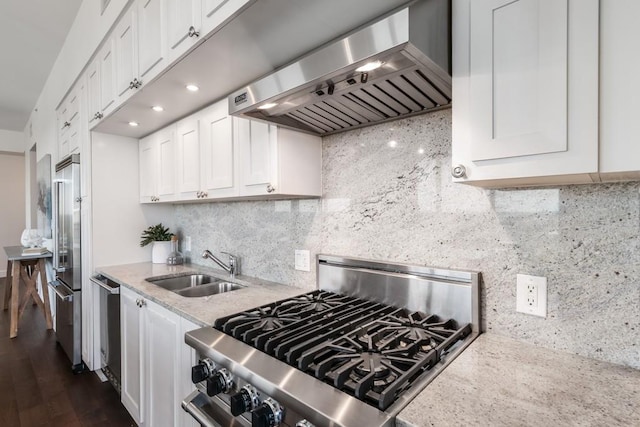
156	362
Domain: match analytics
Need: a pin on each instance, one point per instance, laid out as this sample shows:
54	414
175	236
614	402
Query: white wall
12	206
118	217
12	141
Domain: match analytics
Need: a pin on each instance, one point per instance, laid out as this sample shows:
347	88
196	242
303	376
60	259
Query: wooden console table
26	267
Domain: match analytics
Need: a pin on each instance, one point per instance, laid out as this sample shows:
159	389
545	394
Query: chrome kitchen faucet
232	268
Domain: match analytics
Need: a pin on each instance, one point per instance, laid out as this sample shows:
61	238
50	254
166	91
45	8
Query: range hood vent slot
323	93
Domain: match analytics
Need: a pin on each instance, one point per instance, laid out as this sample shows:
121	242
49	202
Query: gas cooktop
352	353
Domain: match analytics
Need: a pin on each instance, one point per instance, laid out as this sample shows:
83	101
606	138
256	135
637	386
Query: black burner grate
367	349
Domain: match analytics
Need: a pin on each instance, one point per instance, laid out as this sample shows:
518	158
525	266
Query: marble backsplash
388	195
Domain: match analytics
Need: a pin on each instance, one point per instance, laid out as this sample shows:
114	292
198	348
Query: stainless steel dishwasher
109	328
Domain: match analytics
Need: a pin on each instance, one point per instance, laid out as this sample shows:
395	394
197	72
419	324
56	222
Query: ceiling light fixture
369	66
134	124
193	88
267	106
157	108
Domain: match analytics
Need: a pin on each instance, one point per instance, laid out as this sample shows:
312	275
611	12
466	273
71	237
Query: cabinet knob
192	32
135	84
66	125
270	188
459	171
98	115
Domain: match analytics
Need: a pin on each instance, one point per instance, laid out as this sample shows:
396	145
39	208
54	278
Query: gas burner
262	319
316	301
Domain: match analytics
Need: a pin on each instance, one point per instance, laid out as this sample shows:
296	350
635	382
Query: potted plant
160	239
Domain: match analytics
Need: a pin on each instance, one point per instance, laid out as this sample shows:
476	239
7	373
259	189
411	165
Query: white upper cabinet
157	161
525	79
184	25
188	156
219	157
69	122
278	162
106	59
216	12
126	48
152	38
619	89
93	92
217	152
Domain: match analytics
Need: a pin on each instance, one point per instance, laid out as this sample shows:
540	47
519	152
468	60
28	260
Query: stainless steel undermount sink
194	285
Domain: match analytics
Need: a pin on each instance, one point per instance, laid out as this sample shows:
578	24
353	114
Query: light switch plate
531	295
187	244
302	261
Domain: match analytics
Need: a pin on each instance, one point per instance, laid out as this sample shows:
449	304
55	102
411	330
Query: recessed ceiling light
134	124
193	88
369	66
267	106
157	108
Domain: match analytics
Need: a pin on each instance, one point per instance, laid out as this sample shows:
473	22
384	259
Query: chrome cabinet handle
459	171
270	188
135	84
155	198
192	32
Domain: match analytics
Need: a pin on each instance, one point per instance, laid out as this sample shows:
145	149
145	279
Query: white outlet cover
531	295
302	261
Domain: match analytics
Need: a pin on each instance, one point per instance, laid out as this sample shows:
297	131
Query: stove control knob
202	371
269	414
244	400
220	382
304	423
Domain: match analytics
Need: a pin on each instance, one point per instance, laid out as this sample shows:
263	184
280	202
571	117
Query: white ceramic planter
160	251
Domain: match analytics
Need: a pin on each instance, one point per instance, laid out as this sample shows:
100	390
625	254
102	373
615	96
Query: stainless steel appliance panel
67	199
68	318
66	258
109	329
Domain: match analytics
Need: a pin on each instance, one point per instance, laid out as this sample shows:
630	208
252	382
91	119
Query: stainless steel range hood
326	91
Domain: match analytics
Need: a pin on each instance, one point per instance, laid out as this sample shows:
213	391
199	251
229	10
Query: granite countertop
498	381
203	310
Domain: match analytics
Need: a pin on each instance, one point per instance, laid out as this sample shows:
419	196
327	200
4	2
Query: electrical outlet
531	295
302	260
187	244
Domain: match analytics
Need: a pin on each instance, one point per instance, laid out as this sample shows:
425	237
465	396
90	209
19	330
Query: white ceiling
31	35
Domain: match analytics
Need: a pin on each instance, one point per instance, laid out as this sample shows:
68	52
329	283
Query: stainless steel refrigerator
67	285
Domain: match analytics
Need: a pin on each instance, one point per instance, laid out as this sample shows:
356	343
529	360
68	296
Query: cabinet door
93	91
619	86
188	145
126	47
166	173
182	16
218	162
131	354
525	81
217	12
74	118
152	44
148	169
106	59
161	365
258	157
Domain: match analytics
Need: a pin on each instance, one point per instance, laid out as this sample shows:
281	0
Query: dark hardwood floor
37	387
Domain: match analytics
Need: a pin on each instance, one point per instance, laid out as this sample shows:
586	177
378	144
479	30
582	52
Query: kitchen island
498	381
